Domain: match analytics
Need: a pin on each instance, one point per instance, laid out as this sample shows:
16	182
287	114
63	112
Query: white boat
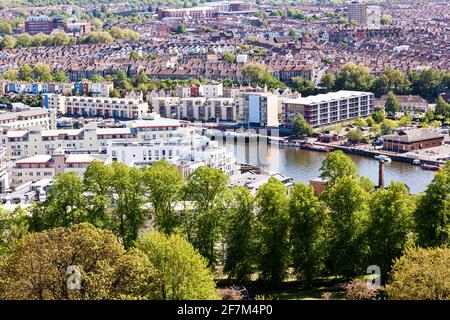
416	161
381	157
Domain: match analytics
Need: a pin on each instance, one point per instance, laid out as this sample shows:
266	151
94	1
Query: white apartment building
36	141
211	90
186	154
27	118
125	108
39	167
329	108
259	108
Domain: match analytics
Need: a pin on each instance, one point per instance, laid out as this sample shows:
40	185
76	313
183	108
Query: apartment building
36	141
211	90
123	108
193	13
17	120
329	108
222	109
259	108
188	154
357	12
35	168
4	172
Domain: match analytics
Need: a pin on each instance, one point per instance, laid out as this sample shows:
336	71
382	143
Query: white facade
36	141
198	150
27	118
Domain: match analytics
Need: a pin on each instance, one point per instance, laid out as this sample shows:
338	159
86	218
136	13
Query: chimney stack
381	174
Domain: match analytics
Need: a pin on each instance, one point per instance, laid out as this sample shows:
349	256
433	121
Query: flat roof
326	97
41	158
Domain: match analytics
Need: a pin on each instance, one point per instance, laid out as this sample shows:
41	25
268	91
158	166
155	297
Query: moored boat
384	158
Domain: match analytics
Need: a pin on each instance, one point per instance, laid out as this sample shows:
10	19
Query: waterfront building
123	108
186	153
259	108
37	141
414	139
329	108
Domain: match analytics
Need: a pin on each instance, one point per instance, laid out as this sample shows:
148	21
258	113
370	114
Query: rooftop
343	94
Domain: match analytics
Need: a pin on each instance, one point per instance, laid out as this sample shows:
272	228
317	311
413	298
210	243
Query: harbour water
304	165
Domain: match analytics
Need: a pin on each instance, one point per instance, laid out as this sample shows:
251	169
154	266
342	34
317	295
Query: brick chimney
381	174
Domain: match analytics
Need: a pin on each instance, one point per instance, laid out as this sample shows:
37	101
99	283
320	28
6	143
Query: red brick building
409	140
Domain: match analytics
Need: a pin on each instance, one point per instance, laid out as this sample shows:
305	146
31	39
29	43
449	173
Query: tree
387	127
390	225
307	217
60	76
272	224
327	82
164	185
24	40
97	186
385	20
135	55
442	107
404	121
5	28
26	73
228	57
421	274
7	42
391	80
427	83
353	77
42	73
60	39
432	215
97	78
378	116
127	191
181	28
305	87
338	165
256	73
37	267
360	122
347	201
391	106
183	272
204	188
41	39
301	126
355	136
239	234
64	205
13	227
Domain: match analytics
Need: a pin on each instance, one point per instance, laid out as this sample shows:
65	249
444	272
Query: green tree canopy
432	216
390	225
183	272
272	231
353	77
37	267
391	105
164	185
301	126
308	219
338	165
421	274
239	235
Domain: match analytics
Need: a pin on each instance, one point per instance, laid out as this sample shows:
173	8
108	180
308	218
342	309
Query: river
303	165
